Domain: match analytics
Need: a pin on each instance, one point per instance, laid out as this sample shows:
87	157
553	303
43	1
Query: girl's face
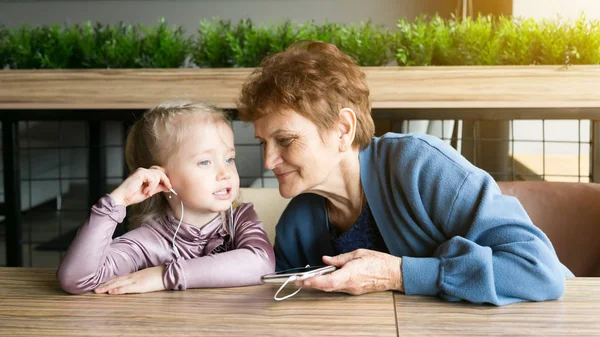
301	156
202	170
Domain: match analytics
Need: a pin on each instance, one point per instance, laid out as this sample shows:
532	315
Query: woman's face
301	156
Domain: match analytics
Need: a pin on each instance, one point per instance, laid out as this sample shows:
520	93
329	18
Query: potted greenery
217	44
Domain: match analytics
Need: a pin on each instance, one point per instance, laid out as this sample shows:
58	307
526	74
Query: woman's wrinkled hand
359	272
143	281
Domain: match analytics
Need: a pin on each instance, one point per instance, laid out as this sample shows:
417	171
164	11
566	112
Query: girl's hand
361	271
143	281
141	185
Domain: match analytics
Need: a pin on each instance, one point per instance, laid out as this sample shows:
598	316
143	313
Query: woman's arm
458	236
494	253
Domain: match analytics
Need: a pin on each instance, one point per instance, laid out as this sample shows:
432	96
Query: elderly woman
401	212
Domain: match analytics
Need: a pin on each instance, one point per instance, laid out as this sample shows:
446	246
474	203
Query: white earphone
178	225
230	224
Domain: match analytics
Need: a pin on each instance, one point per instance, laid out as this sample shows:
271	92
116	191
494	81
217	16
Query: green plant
551	45
211	48
42	47
325	32
368	44
220	44
584	42
283	35
162	47
416	41
437	41
424	41
515	36
108	46
118	46
473	42
249	44
503	40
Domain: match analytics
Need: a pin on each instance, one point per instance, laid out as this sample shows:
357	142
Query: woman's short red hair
316	80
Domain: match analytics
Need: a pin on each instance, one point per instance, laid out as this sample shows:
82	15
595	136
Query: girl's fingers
160	181
165	181
116	283
145	183
152	185
151	181
161	171
120	290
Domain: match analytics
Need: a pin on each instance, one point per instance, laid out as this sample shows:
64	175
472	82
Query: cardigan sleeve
493	254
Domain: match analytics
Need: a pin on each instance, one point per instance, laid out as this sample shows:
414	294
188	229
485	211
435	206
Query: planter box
470	91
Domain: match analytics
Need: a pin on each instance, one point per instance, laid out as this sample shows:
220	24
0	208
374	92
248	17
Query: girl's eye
262	143
204	162
230	160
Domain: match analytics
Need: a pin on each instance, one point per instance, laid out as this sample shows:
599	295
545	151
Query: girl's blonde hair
154	137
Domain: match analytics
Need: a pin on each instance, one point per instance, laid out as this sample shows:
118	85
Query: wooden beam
463	87
497	114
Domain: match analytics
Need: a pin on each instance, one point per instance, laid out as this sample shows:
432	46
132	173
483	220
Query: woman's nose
272	158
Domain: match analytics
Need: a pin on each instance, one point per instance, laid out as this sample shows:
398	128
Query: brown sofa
569	213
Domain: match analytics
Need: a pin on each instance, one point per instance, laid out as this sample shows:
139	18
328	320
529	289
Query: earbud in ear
172	191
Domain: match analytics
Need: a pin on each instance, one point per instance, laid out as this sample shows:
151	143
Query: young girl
187	235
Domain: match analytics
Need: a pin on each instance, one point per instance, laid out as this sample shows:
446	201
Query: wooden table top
32	304
577	313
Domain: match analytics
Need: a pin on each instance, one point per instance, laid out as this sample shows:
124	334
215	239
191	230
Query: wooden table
577	313
32	304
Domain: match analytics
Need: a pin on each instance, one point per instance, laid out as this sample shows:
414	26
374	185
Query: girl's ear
160	168
347	128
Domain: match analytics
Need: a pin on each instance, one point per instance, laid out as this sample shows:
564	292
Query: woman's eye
230	160
285	141
204	162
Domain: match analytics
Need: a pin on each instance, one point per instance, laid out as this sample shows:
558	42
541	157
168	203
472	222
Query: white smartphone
301	274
